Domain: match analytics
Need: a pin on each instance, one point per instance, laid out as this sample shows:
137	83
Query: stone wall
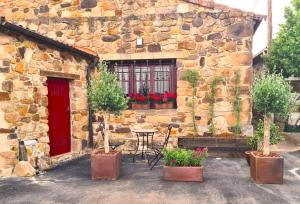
216	42
24	101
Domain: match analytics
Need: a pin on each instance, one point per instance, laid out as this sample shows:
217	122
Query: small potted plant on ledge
106	96
163	101
271	94
184	165
140	102
255	143
141	99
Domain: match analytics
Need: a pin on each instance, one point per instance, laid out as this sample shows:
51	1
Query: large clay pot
183	173
105	166
266	169
138	106
247	156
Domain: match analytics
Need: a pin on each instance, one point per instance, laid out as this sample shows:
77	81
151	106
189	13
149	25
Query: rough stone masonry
212	39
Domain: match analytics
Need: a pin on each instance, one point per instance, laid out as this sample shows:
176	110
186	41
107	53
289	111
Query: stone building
43	99
147	43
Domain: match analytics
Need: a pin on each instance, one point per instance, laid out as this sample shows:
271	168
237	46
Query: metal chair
112	145
157	149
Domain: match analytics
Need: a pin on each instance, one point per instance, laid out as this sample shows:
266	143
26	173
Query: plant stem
237	103
106	132
212	101
193	112
267	125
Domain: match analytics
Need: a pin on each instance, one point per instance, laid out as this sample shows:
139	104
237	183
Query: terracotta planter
138	106
105	166
266	170
247	156
168	105
183	173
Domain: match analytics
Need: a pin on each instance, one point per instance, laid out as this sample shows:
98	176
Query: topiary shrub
275	136
106	96
272	94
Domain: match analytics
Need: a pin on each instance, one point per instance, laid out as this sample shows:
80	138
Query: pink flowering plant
184	157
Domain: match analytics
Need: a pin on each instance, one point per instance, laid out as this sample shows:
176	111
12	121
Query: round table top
144	130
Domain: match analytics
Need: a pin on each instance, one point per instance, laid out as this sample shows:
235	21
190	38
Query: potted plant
139	102
106	96
184	165
271	94
255	143
163	101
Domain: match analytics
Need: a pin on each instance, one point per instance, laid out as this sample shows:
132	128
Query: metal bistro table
143	136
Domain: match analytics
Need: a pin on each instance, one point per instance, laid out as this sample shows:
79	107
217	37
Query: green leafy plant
107	96
237	102
212	101
298	105
183	157
193	77
272	94
275	136
284	52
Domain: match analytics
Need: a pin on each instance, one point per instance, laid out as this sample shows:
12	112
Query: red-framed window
158	76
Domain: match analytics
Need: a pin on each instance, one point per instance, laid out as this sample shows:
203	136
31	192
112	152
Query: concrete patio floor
226	181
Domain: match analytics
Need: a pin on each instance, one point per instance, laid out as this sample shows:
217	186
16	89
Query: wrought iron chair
158	148
112	145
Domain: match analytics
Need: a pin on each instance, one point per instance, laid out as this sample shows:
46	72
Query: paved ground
226	181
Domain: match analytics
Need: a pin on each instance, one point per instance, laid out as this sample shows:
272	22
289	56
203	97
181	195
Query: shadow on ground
226	181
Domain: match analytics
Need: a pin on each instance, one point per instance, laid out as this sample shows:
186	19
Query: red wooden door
59	116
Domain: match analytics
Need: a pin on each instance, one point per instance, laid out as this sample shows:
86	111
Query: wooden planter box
183	173
214	143
105	166
266	170
247	156
138	106
168	105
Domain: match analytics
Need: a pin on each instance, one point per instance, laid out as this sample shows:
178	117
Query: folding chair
112	145
157	149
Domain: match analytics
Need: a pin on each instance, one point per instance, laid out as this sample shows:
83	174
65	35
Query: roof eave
43	39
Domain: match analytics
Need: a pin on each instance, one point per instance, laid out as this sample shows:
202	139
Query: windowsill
156	111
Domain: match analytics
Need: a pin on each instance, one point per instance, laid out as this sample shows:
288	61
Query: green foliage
212	101
105	93
183	157
284	52
237	102
275	136
297	105
193	77
272	94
